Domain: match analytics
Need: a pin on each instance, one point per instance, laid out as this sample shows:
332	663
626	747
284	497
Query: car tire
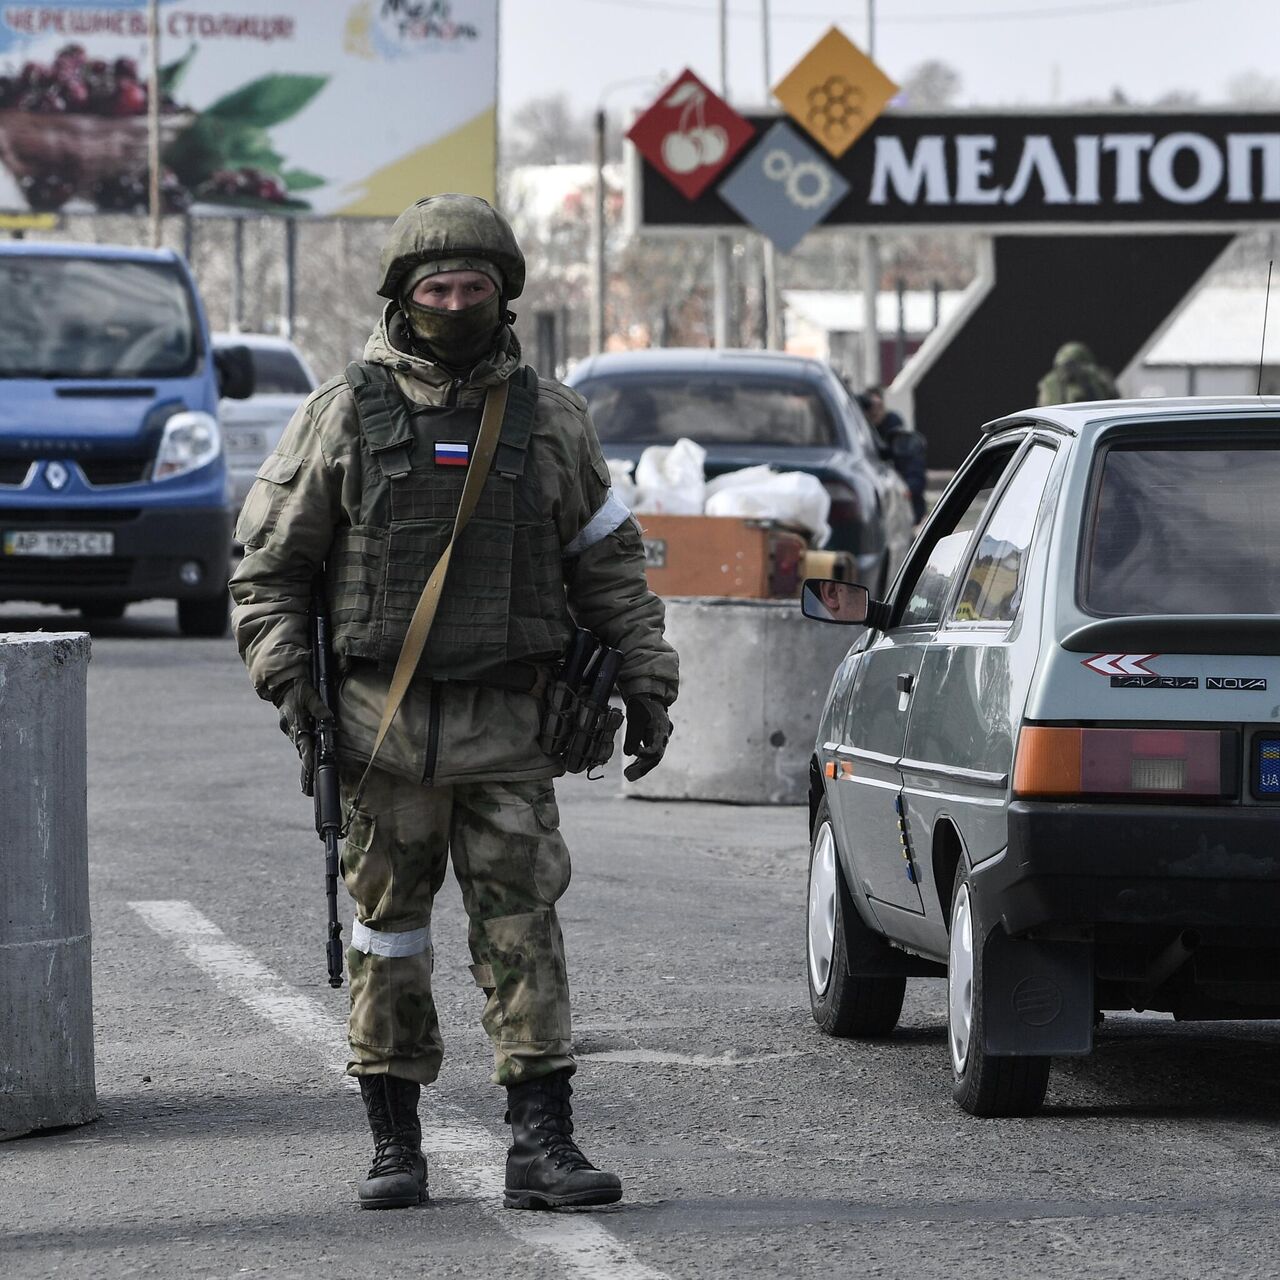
983	1084
204	616
845	1002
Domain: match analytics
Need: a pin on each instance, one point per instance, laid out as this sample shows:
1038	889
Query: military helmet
452	227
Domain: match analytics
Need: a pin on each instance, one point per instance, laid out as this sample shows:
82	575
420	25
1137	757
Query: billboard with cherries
273	106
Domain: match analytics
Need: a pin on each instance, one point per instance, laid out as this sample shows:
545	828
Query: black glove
648	732
301	707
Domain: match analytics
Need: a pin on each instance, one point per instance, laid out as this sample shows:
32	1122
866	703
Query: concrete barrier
753	675
46	999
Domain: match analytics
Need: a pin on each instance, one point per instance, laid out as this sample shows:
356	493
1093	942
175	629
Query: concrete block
753	676
46	993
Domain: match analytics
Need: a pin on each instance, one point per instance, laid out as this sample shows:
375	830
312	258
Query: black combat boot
545	1169
398	1177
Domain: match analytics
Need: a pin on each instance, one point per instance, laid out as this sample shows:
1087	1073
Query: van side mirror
234	366
848	603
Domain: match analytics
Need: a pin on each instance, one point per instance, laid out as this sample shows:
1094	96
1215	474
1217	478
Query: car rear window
711	408
277	372
1184	528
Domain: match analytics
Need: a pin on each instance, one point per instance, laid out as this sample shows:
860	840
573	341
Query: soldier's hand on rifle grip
301	707
648	732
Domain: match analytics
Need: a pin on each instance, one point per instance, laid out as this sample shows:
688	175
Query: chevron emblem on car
1121	664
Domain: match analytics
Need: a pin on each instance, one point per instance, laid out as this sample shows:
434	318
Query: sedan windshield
711	408
1185	529
94	318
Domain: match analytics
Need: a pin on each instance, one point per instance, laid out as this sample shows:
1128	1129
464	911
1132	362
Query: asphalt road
750	1144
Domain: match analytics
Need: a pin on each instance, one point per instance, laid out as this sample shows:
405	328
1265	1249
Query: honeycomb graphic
835	109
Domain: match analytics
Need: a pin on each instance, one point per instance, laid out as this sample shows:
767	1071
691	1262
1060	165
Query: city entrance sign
1005	171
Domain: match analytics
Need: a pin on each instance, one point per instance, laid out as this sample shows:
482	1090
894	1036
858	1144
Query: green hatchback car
1049	766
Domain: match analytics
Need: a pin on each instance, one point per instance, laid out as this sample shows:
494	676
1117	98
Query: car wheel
845	1003
205	616
983	1084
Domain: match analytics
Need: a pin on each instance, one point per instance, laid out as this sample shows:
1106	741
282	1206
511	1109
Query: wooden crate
722	556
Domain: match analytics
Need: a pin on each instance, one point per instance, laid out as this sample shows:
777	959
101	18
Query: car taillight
845	507
1054	761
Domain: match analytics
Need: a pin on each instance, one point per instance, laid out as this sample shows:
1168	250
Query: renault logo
56	475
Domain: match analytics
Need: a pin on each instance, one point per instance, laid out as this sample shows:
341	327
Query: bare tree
931	85
546	130
1254	89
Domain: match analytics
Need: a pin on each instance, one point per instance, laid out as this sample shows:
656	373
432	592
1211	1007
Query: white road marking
468	1154
670	1059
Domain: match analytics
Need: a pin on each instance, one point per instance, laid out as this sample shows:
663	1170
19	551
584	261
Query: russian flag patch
452	455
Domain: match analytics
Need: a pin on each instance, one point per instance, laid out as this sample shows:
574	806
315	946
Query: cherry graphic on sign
686	149
690	135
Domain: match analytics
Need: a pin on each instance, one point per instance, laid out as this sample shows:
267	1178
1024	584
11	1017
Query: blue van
113	483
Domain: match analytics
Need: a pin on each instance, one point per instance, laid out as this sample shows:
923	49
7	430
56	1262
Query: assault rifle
328	800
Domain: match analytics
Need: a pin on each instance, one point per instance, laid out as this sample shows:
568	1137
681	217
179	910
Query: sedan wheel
983	1084
822	909
846	1000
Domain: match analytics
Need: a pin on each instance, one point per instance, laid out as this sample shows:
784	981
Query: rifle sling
424	613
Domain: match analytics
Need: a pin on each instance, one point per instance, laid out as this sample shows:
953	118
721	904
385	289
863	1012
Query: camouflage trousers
512	866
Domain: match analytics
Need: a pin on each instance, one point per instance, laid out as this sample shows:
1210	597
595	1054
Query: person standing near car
1076	375
366	487
902	445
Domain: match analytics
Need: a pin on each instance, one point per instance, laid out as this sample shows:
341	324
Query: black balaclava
459	340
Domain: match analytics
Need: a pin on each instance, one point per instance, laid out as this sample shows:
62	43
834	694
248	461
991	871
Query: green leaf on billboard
171	73
301	180
268	100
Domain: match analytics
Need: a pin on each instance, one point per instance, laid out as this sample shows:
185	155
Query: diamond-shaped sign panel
784	188
835	92
690	135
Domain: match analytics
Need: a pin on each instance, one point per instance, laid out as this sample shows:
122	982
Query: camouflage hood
389	345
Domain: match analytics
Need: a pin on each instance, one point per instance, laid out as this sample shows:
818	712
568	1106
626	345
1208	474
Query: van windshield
94	318
1185	528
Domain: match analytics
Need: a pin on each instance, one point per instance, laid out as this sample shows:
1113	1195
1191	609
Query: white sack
790	498
671	480
742	479
620	478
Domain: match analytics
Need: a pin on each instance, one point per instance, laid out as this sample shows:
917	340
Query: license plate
59	544
245	440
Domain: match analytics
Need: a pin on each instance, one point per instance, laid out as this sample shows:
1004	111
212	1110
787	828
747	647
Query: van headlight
190	441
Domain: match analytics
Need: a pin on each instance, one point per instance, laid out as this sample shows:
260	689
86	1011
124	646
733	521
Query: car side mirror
848	603
234	366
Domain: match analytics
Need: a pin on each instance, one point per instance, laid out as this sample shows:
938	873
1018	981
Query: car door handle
906	681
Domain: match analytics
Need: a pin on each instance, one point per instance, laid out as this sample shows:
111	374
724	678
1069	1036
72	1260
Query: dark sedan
751	407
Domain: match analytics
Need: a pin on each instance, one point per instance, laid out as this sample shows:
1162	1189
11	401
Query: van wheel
983	1084
845	1003
205	616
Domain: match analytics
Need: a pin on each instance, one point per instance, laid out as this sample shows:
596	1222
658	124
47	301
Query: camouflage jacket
311	487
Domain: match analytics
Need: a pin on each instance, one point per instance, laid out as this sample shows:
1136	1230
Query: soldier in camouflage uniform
364	487
1075	376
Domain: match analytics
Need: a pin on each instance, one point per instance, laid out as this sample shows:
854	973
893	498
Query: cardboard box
722	556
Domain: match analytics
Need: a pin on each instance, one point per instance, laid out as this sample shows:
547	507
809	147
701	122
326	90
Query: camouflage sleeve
604	574
286	526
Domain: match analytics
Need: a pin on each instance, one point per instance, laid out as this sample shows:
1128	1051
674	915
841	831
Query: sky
1008	52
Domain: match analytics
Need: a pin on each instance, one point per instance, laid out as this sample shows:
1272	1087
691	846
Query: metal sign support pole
287	289
870	263
236	319
723	260
599	290
153	118
772	301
